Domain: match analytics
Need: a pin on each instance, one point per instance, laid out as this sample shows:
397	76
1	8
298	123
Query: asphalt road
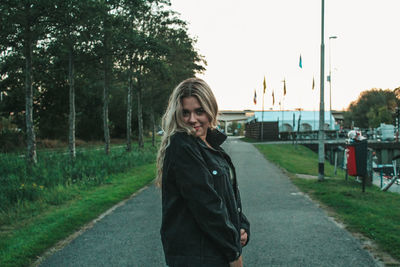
287	229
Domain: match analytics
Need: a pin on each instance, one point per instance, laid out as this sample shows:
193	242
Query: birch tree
23	25
68	22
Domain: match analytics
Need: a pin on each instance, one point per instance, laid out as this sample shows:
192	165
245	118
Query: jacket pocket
220	177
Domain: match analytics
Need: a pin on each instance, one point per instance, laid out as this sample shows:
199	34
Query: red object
351	161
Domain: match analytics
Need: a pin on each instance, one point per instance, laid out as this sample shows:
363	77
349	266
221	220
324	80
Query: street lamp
321	148
330	80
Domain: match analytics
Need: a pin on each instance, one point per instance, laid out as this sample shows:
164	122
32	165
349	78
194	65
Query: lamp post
330	80
321	148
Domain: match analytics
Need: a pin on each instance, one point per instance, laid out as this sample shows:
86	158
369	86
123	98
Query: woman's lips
196	127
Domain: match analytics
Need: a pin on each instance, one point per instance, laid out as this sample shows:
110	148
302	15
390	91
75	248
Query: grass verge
249	140
24	241
374	214
20	183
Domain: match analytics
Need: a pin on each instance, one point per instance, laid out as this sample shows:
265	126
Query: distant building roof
338	115
234	115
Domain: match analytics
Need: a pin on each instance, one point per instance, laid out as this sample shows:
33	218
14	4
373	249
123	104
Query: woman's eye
199	111
185	113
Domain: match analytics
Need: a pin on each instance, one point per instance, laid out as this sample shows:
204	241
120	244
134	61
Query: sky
245	41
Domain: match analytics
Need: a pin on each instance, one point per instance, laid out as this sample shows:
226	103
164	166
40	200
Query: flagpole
262	115
321	148
315	110
283	118
262	120
283	112
315	106
280	108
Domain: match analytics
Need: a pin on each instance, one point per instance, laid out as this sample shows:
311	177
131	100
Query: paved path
287	228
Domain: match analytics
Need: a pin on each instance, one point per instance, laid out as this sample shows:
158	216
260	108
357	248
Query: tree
371	108
378	115
171	57
397	92
23	25
107	32
69	24
128	52
96	54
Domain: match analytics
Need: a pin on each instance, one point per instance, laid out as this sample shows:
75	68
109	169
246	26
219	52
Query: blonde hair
172	120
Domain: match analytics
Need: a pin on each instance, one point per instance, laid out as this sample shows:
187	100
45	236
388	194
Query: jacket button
214	172
238	209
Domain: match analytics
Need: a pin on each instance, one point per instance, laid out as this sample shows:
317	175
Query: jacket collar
215	138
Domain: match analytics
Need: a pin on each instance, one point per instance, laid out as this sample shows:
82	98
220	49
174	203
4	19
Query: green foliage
378	115
33	227
375	214
19	183
372	107
144	38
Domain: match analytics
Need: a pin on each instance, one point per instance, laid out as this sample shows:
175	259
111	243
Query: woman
202	219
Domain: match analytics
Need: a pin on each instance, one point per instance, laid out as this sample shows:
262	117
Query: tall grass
91	167
39	225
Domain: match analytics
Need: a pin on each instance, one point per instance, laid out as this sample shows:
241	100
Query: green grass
297	159
249	140
375	214
24	239
90	167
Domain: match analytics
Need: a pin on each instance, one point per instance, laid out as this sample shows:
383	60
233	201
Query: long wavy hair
172	120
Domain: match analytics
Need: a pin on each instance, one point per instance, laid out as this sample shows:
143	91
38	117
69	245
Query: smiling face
195	116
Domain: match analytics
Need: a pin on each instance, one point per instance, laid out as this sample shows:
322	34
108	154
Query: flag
273	98
300	62
313	83
265	85
284	87
255	97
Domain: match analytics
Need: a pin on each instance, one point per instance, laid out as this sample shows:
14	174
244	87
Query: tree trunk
129	111
106	89
105	111
140	116
153	136
30	132
71	79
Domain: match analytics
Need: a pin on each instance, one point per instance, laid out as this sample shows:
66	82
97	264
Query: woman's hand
236	263
243	237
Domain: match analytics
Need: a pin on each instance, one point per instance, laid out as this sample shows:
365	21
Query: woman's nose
192	117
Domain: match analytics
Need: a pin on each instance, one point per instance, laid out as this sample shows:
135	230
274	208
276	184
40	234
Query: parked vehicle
386	132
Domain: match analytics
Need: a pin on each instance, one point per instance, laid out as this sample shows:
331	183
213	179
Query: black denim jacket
201	208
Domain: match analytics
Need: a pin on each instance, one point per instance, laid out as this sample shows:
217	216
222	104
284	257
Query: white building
229	116
288	120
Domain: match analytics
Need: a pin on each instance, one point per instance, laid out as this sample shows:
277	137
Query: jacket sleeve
245	224
196	186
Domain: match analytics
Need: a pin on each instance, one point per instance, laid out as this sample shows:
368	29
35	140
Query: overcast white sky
243	41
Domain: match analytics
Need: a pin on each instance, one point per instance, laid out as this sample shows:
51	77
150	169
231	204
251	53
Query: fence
270	131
